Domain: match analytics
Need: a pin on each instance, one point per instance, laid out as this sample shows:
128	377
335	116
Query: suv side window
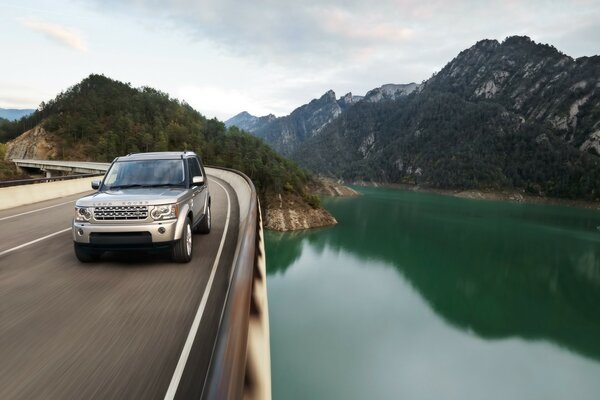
194	168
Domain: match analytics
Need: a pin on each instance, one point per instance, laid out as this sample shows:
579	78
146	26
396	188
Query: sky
264	56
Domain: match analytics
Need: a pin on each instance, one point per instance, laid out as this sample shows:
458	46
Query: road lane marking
33	242
185	353
36	210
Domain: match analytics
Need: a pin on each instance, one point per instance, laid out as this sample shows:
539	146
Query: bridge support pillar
48	173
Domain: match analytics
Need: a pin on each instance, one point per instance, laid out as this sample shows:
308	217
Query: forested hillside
100	118
500	115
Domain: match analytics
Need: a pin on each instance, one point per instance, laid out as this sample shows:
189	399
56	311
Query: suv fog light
161	230
80	232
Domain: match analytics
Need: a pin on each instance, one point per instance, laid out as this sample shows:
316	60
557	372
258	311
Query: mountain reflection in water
493	269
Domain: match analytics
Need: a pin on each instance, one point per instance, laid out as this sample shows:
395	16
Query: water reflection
494	269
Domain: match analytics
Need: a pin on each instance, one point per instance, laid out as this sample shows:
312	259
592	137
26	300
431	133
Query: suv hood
133	197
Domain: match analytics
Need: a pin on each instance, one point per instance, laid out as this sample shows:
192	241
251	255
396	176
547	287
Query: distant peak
518	40
330	94
487	43
347	97
390	91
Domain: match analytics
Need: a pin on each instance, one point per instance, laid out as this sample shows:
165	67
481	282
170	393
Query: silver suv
145	201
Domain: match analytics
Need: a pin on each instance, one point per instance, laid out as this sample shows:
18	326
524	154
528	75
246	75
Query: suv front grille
120	213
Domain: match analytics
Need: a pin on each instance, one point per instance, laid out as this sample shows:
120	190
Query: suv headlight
167	211
83	214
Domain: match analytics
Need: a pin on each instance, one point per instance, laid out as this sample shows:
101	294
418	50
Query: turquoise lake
423	296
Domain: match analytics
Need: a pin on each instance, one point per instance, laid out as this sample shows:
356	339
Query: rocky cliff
390	92
288	212
36	143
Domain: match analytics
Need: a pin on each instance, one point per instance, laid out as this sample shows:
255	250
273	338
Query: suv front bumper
154	234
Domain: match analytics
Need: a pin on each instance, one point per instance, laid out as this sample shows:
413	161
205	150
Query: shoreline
512	196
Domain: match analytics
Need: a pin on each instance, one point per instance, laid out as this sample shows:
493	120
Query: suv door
199	191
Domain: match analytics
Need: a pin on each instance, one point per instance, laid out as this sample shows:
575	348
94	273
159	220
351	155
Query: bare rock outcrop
290	213
33	144
331	187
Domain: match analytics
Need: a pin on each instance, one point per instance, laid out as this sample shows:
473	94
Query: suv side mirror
198	180
95	185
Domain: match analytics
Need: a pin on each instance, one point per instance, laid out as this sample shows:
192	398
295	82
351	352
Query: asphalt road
115	329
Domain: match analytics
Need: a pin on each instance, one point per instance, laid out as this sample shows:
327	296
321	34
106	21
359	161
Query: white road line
172	390
36	210
33	241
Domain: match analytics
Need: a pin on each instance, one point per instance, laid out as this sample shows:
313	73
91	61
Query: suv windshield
145	173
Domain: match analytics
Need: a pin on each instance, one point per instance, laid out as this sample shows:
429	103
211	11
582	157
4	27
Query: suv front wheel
182	250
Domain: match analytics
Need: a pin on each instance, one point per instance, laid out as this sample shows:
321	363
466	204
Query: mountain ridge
288	132
13	114
514	114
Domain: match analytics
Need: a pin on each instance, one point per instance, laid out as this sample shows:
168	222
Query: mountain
390	92
532	80
99	119
286	134
249	122
515	114
12	114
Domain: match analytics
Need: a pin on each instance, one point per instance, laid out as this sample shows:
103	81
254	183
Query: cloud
317	34
57	33
284	32
274	55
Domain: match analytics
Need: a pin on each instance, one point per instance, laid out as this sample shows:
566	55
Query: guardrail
18	182
240	366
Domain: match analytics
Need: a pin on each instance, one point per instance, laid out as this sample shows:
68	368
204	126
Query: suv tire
182	250
205	224
86	255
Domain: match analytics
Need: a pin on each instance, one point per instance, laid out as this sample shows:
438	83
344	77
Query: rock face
289	213
33	144
333	188
592	144
289	219
390	92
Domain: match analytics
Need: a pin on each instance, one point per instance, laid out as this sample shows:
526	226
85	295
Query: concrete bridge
53	168
131	326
